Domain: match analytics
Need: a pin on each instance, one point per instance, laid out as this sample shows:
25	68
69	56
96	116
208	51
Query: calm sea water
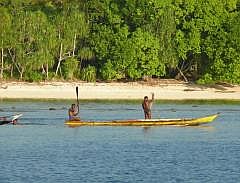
43	150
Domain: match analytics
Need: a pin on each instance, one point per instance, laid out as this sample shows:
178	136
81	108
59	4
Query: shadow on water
148	129
32	124
201	127
206	128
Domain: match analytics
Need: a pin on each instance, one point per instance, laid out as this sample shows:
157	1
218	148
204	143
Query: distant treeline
90	40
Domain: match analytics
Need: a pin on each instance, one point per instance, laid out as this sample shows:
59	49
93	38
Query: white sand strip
62	90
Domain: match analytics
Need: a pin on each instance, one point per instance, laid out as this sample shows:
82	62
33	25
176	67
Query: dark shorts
147	111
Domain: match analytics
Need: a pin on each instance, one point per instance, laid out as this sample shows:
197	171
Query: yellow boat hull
143	122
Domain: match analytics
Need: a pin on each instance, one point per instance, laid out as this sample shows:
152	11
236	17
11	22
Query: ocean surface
42	150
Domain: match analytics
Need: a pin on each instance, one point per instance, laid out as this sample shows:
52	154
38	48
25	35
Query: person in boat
14	122
147	105
73	112
4	120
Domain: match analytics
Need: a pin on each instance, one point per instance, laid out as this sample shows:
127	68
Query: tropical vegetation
193	40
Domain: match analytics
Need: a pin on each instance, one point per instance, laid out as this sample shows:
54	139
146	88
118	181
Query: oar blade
77	91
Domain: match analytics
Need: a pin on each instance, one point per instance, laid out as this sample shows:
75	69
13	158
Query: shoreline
117	91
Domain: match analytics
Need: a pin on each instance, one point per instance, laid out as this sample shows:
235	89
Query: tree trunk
43	69
1	73
13	61
181	73
47	70
59	59
74	45
21	74
11	70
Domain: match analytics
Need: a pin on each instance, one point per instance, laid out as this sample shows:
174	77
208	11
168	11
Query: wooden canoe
9	119
143	122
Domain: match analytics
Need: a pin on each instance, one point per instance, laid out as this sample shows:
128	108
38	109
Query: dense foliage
195	40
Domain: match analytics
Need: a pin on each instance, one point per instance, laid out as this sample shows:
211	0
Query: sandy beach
164	90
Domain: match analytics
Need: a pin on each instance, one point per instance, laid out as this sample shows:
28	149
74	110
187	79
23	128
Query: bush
88	74
108	71
33	76
206	79
70	68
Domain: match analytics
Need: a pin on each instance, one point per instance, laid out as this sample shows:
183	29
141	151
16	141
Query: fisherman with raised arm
147	105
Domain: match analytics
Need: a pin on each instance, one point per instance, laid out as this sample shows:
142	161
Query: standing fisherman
147	105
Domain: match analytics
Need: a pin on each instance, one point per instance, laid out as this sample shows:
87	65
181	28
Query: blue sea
40	149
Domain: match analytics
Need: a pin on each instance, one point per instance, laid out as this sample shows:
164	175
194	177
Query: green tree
201	32
71	27
125	50
223	51
46	43
220	43
5	27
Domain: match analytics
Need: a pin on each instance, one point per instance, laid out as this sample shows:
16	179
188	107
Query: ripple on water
42	149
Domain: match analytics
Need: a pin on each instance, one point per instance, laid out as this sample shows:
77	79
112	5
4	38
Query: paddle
77	97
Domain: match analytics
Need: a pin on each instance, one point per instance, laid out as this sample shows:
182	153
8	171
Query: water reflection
146	129
43	146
